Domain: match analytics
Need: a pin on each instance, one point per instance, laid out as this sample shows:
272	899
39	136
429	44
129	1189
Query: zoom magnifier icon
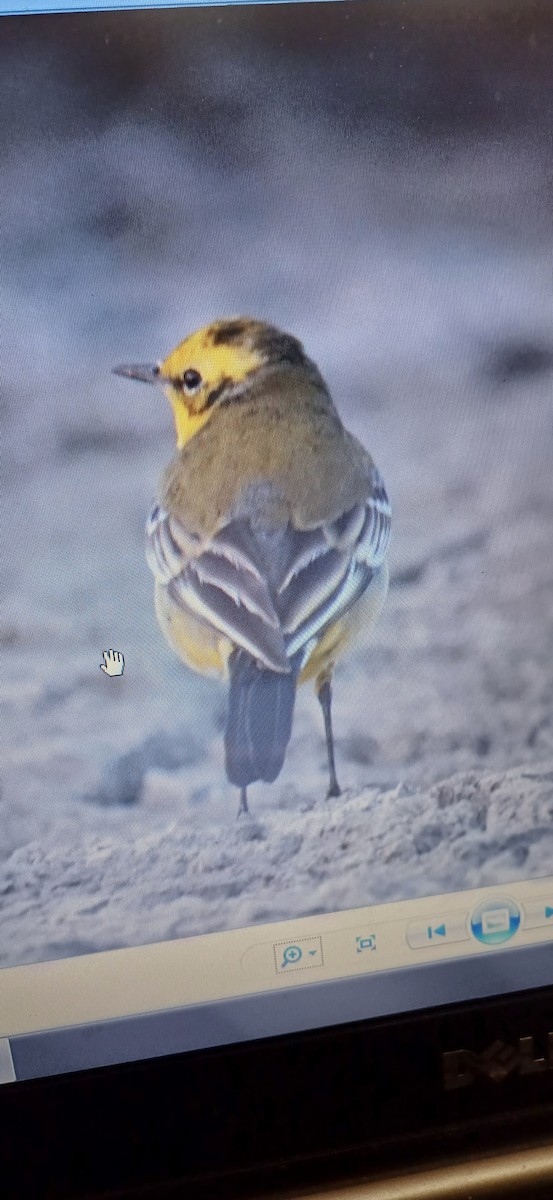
291	955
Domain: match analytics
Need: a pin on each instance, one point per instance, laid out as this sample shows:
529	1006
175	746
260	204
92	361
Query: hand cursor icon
114	663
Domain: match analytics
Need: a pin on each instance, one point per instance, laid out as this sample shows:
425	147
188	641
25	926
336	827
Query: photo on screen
359	225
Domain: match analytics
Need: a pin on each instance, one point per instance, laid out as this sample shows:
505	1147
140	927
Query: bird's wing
220	582
330	567
272	593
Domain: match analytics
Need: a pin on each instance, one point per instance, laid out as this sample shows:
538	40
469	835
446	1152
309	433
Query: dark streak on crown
277	347
230	331
271	343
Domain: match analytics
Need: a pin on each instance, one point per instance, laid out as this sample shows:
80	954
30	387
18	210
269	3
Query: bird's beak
146	372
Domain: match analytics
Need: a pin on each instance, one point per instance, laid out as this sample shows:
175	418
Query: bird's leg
243	806
324	693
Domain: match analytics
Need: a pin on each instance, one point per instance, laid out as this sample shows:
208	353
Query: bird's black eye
191	380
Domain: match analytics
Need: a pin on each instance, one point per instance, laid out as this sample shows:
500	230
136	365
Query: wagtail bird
268	542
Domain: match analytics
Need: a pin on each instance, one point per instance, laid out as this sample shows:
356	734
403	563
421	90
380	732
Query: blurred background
376	178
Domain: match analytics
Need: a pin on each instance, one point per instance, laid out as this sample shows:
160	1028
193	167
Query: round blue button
495	920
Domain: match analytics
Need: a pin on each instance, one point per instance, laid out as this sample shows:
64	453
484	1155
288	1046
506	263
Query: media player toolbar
183	972
494	921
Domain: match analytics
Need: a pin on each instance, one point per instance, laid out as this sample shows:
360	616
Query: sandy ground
422	286
138	881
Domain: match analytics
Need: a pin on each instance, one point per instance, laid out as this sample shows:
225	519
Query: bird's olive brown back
284	430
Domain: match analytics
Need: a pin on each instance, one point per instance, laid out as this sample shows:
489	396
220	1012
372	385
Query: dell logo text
461	1068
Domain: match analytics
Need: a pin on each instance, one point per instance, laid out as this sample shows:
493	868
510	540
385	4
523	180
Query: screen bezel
287	1112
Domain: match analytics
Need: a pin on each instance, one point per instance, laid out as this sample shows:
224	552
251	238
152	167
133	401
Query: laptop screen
277	496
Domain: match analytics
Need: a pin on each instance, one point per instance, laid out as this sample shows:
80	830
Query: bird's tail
259	719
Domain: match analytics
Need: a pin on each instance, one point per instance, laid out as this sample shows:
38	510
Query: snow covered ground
417	270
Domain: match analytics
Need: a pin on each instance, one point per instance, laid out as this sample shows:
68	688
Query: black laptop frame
289	1113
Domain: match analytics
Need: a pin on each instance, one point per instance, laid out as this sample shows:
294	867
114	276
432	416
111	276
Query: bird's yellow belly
202	648
357	621
206	651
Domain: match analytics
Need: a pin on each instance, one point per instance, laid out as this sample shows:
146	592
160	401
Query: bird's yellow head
214	365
